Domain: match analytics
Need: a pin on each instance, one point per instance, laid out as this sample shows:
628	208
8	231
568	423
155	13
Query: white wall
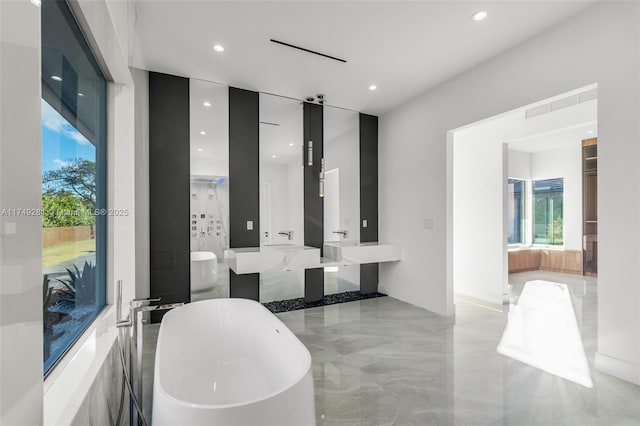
599	46
20	235
342	151
276	176
70	391
565	163
478	242
295	200
519	164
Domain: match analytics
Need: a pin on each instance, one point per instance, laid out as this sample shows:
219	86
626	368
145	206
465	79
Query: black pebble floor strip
299	303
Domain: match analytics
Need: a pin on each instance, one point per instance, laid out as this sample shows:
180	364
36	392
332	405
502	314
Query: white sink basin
272	257
356	252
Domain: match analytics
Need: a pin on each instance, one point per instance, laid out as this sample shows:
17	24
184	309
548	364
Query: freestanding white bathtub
204	270
230	362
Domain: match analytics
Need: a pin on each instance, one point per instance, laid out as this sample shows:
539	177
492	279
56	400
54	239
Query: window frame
524	215
533	222
100	135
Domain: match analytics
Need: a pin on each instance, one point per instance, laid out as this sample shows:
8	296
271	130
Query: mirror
209	188
341	191
281	190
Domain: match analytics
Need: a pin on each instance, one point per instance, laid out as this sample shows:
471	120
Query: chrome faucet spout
341	232
288	234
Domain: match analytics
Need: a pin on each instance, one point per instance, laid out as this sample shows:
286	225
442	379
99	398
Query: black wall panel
368	196
313	203
369	177
169	187
244	183
244	168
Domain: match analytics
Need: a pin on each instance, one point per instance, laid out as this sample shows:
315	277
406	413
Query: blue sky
61	142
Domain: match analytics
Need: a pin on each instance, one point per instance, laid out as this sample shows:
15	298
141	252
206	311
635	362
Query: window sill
68	384
536	247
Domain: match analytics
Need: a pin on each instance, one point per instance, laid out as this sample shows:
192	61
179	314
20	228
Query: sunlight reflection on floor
542	331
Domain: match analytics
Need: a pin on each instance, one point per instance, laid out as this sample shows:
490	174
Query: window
515	211
547	211
73	182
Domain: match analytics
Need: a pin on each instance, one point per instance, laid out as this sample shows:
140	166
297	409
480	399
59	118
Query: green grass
66	251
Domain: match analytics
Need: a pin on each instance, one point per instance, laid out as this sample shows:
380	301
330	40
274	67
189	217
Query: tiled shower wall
209	220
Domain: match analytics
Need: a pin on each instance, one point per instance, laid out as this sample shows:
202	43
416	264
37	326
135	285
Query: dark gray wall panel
369	196
369	177
244	286
369	278
313	203
244	183
169	187
244	168
313	284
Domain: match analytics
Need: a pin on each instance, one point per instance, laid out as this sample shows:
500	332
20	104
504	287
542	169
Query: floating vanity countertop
273	257
355	252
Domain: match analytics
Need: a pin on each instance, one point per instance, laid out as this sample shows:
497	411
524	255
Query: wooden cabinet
590	206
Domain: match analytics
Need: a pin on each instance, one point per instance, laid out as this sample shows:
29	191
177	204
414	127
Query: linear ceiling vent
293	46
561	103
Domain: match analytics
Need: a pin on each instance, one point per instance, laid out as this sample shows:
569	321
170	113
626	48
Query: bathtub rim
183	403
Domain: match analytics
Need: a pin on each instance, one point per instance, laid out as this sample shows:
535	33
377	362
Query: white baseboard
617	368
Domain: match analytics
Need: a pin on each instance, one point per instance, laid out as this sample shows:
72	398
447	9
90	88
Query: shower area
209	189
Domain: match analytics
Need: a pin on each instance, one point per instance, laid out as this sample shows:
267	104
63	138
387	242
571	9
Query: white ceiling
402	47
557	139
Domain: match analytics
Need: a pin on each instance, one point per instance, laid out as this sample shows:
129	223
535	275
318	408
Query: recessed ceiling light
274	156
373	87
218	48
291	144
590	132
203	133
199	149
81	94
207	104
480	15
56	78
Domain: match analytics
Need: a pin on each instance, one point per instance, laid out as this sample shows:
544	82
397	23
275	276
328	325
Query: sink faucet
289	234
343	233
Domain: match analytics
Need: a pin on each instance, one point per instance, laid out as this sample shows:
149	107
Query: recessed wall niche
209	189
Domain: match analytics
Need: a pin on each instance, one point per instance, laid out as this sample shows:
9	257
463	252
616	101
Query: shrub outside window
548	211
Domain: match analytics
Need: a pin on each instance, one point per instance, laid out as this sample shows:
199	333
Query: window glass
73	182
547	211
515	211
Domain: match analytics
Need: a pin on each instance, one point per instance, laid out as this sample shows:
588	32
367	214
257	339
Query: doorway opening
523	200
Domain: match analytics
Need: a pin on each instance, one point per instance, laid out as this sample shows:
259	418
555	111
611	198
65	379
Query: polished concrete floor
386	362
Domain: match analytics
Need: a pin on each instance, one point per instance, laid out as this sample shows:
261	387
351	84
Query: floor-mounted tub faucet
135	322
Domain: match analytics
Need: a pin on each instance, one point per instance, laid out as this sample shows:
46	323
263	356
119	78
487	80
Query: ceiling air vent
561	103
539	110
